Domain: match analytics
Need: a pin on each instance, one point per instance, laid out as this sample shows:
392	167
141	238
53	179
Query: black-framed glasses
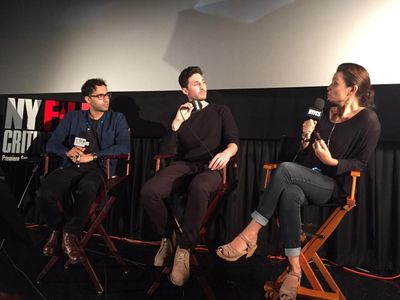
102	96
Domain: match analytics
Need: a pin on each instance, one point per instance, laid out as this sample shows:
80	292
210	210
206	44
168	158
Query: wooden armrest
159	157
118	156
108	159
47	157
233	161
164	156
234	164
269	168
351	199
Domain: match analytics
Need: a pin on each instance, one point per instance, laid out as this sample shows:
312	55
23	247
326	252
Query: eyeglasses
101	96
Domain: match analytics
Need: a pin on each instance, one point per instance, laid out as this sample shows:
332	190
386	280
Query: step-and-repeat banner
27	123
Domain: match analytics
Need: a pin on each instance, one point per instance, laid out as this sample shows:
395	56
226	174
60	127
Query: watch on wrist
305	137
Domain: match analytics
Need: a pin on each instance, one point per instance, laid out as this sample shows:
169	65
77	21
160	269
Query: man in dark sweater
204	136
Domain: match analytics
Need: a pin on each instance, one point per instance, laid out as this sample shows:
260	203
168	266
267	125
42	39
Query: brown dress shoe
52	246
71	247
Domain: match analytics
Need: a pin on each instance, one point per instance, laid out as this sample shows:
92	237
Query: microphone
81	142
83	138
196	105
314	113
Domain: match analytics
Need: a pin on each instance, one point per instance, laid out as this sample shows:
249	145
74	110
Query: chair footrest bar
314	294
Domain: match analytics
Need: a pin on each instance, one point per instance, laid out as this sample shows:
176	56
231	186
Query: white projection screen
54	46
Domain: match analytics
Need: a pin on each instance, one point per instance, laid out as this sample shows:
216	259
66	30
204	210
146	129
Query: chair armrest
351	199
164	156
47	158
233	161
269	168
159	157
234	164
119	156
108	158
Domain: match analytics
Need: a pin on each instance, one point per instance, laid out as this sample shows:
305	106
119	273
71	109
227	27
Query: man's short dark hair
185	75
90	85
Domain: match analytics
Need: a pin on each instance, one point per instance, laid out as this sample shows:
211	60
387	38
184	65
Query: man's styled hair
90	85
186	73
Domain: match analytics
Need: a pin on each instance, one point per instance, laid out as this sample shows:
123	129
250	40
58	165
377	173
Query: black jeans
168	181
291	187
85	185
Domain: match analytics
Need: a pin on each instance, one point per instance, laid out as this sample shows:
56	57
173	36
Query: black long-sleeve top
206	133
350	142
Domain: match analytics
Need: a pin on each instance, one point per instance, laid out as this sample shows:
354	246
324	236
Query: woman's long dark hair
354	74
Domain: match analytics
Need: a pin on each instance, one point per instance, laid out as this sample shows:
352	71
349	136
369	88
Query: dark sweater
214	126
351	143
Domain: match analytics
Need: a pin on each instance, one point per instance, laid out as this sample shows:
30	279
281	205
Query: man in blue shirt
81	138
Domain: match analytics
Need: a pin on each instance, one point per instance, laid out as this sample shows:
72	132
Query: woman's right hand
308	127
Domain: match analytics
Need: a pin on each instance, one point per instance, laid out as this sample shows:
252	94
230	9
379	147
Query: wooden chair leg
113	250
272	288
157	282
199	275
92	274
53	260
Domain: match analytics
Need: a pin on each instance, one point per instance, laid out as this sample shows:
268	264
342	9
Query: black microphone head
196	105
319	104
315	111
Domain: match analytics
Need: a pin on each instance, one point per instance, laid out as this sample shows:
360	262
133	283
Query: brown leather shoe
71	247
52	246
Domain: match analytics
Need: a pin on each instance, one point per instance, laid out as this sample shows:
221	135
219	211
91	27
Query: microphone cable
195	135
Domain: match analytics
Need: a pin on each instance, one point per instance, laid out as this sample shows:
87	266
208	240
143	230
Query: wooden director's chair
229	182
97	213
310	248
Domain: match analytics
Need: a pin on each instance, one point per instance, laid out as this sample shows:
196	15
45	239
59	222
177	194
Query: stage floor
239	280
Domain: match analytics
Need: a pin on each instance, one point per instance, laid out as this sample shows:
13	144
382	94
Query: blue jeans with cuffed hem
291	187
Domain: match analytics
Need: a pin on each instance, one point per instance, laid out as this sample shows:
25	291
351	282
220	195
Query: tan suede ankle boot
180	270
164	253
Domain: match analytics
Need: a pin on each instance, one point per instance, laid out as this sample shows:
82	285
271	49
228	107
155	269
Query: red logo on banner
53	110
28	124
